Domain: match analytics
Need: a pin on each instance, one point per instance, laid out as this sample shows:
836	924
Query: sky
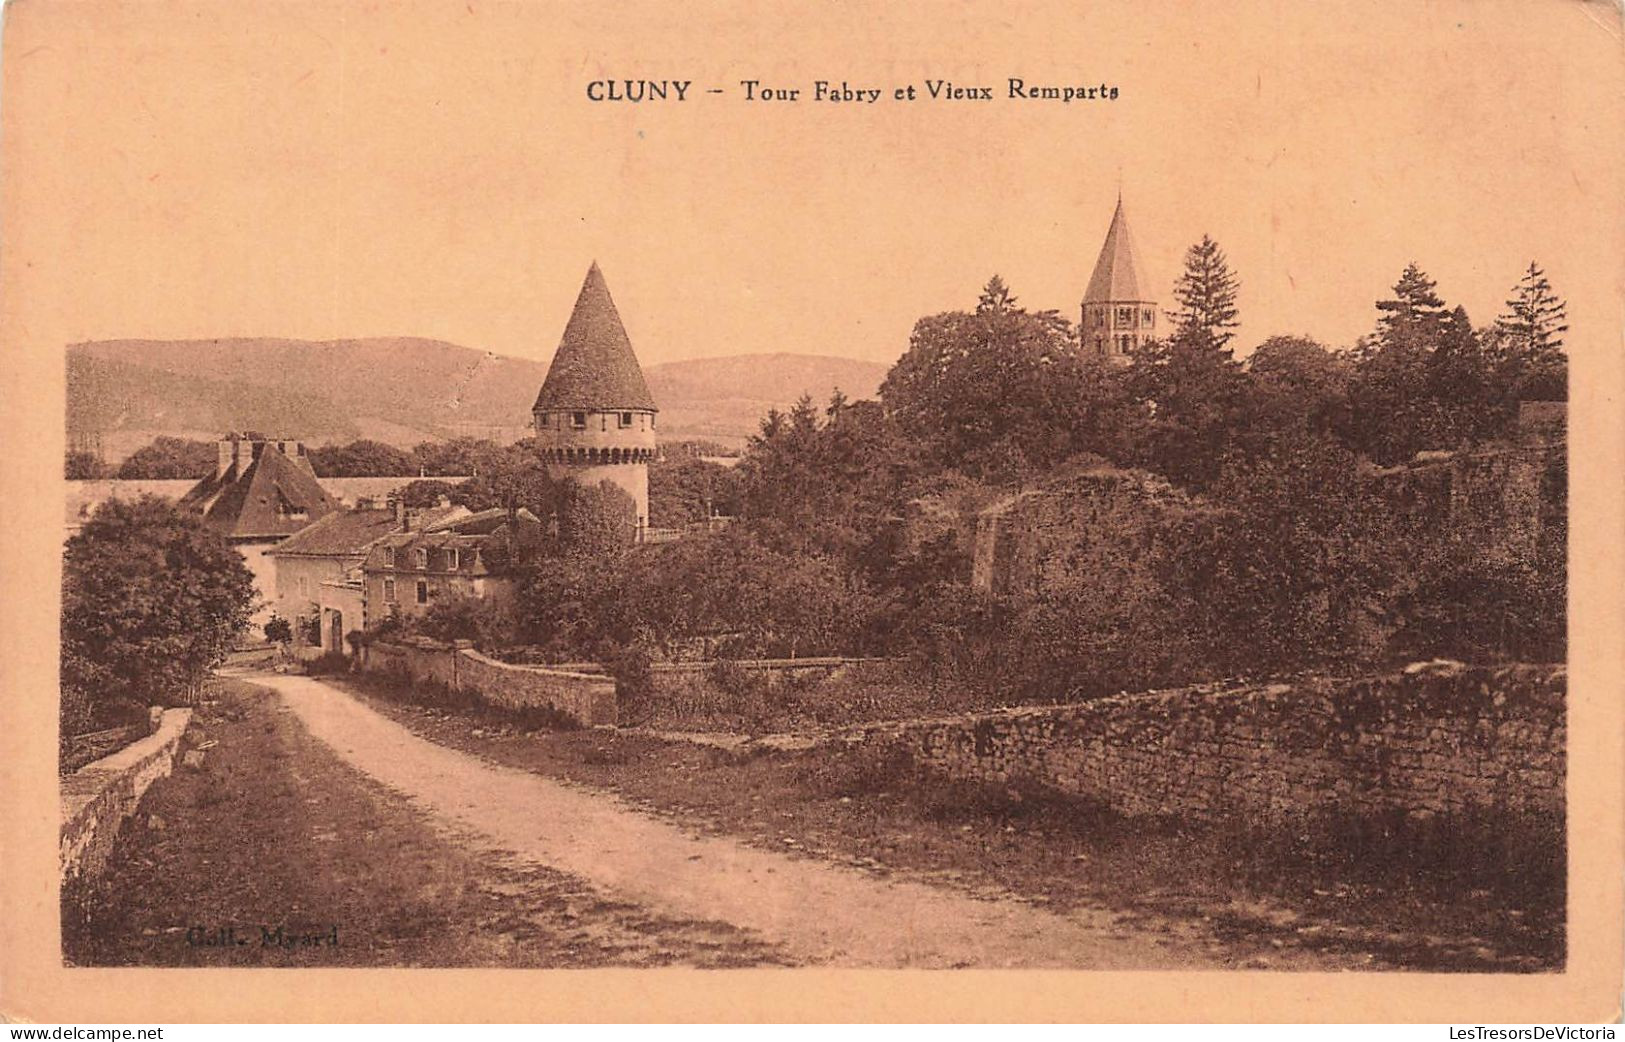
320	171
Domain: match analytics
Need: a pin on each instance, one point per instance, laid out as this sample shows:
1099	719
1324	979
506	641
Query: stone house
318	581
261	492
476	555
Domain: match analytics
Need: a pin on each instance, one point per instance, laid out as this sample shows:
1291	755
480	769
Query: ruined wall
588	699
1096	524
1099	523
1488	741
1502	499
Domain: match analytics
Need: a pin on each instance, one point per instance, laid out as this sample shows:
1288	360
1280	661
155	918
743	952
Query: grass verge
273	832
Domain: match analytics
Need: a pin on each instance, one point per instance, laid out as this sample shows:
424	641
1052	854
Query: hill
400	390
725	398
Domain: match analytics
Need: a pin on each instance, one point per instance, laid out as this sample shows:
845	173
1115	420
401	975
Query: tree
996	298
687	490
1300	386
1207	296
362	458
151	600
278	630
170	459
83	466
996	392
1195	410
1531	332
426	492
458	457
1414	313
511	477
1424	381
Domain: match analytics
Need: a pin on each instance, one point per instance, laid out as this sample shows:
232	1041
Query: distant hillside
725	398
400	390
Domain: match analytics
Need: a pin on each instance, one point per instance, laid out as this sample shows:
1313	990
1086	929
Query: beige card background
316	169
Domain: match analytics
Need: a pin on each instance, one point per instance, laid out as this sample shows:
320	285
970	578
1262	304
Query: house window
626	419
389	557
304	589
578	420
454	559
1125	316
423	592
389	591
422	559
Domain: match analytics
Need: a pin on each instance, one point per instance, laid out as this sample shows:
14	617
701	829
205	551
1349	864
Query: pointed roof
264	494
594	367
1117	275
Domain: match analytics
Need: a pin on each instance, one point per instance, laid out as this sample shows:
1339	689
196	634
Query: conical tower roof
594	367
1117	274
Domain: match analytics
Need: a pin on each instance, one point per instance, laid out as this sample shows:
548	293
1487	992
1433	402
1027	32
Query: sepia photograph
549	486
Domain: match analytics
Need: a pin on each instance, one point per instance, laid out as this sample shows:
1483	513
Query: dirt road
820	913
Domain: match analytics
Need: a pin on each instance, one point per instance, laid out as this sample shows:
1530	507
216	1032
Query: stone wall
1501	498
1098	525
588	699
99	796
771	671
1447	740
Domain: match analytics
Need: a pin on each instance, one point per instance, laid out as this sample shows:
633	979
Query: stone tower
595	417
1117	317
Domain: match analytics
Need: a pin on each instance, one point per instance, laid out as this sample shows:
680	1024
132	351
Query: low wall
772	671
99	796
588	699
1447	741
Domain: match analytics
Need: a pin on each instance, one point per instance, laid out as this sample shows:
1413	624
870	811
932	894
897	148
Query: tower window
578	420
1125	316
1147	316
626	420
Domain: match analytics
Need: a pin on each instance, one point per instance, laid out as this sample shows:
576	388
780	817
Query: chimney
228	454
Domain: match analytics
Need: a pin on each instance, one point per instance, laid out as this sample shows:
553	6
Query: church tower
595	417
1117	317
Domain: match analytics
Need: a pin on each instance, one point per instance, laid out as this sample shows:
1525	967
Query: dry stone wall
99	796
588	699
1095	525
1445	741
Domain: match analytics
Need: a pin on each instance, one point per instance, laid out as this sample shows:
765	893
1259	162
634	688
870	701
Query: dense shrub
328	663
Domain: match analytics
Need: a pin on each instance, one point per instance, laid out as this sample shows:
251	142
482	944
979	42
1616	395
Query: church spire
1117	274
1117	316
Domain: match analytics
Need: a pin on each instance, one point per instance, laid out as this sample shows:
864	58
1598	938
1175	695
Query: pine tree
996	298
1535	314
1207	296
1414	311
1530	340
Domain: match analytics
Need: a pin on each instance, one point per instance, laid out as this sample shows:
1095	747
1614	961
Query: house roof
270	495
594	366
351	533
480	522
343	533
1117	275
486	532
